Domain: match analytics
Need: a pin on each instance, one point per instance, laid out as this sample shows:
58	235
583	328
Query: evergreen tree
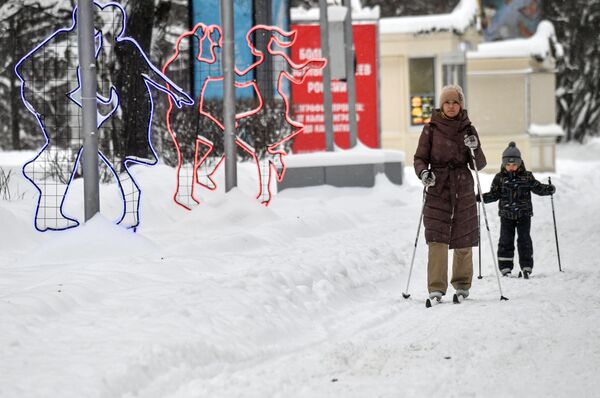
578	78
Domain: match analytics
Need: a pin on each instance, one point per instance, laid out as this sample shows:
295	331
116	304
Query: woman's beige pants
437	268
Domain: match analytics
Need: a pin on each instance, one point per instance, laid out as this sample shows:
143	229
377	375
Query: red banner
307	98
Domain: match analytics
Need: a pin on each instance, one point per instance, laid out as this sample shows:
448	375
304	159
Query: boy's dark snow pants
506	244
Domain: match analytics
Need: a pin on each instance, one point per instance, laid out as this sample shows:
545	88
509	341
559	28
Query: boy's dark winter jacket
514	192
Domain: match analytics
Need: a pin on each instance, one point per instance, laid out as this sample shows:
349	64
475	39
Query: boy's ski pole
486	223
412	261
555	231
479	236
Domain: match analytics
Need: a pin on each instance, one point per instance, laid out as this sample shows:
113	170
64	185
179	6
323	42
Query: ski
430	302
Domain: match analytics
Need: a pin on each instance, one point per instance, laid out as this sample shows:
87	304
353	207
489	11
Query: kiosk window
422	90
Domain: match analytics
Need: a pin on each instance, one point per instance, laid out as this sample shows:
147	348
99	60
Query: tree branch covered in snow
23	23
578	78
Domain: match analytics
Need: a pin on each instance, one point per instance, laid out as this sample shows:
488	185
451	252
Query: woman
450	213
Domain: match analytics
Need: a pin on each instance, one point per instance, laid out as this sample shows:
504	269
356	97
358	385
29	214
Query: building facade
509	85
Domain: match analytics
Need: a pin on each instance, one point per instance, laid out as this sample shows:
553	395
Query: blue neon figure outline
179	96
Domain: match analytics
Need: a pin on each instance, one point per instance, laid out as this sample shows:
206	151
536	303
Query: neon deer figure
271	158
53	196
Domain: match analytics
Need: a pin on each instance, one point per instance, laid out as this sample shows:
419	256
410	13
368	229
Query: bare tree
22	24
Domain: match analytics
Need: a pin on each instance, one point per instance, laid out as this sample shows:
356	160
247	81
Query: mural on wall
508	19
208	12
52	94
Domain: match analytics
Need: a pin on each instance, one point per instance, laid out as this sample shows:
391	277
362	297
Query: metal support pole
87	67
327	98
350	74
228	60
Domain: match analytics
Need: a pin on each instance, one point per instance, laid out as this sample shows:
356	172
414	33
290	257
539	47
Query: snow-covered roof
540	46
312	14
459	20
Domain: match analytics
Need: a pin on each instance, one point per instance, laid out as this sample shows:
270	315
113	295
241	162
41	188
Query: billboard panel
307	98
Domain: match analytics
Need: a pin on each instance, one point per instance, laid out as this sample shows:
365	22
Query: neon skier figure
199	152
194	153
53	196
270	158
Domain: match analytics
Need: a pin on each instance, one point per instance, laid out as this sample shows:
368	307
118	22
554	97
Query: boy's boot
506	265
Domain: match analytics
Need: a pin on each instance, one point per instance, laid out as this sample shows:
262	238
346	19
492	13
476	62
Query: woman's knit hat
452	92
511	154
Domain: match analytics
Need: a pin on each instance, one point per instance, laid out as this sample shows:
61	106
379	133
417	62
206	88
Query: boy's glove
551	189
471	142
478	197
427	178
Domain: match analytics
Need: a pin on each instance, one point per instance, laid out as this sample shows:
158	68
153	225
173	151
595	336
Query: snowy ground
301	299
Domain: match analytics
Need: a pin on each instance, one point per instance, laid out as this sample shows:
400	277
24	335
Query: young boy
513	186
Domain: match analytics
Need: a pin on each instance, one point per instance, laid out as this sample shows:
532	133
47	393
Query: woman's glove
550	189
427	178
471	142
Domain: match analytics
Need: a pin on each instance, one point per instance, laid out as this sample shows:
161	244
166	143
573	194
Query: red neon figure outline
274	159
207	32
201	141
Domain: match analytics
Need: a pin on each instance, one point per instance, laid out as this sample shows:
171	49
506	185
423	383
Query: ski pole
479	236
555	231
412	261
487	226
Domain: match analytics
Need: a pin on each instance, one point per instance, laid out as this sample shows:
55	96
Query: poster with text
307	98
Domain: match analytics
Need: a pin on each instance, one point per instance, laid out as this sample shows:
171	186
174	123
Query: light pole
87	67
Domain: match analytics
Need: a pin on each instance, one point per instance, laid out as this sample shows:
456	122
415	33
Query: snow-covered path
302	299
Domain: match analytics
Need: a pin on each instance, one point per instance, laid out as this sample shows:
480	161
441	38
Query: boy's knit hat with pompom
511	154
